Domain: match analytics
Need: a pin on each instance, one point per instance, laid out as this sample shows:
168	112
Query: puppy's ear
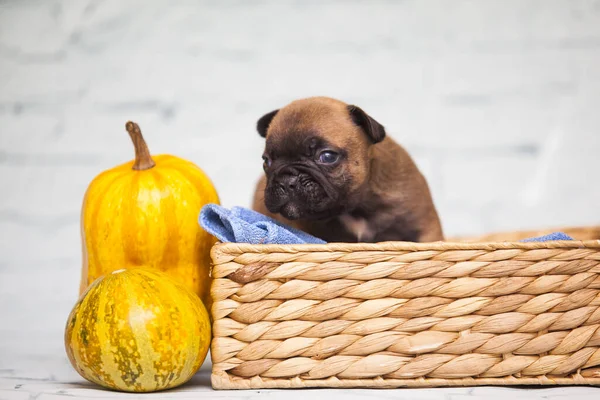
263	123
374	130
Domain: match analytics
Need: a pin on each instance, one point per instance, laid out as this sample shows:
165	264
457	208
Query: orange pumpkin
145	213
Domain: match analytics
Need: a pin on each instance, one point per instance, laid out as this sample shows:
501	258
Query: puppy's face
316	157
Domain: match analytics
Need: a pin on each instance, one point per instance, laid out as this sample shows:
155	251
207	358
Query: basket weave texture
407	314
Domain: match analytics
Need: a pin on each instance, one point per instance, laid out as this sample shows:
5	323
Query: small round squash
137	330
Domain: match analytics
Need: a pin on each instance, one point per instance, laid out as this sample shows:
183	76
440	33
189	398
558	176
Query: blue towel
241	225
551	236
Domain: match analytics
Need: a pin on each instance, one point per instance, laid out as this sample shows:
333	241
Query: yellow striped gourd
137	330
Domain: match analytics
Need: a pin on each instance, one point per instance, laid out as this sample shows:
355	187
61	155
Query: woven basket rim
401	246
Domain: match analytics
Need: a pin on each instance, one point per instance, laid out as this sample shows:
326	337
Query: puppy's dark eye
328	157
266	162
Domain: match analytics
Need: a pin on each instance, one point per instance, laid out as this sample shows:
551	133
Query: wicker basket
407	315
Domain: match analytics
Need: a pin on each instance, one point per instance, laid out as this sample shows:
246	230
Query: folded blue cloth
241	225
551	236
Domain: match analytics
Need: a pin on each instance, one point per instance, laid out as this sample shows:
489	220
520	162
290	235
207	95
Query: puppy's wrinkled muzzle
283	197
296	192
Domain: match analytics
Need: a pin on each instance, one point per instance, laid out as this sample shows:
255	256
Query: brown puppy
331	171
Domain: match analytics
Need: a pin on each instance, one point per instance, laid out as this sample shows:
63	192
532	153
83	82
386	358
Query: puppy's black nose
288	181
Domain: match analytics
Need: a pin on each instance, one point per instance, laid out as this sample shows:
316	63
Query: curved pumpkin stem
142	154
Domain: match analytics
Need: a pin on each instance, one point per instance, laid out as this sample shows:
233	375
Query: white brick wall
497	100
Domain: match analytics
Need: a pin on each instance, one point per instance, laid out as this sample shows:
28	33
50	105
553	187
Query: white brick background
498	101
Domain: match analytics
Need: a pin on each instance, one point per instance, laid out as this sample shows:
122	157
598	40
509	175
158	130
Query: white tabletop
52	378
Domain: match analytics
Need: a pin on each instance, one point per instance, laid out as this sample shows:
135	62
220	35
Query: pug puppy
331	171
